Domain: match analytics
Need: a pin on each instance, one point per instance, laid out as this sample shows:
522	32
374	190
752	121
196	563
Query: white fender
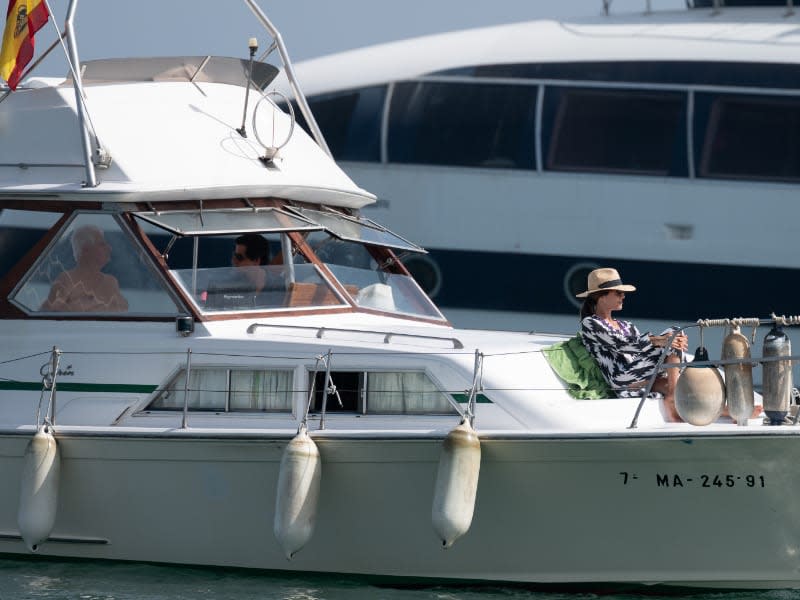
38	492
456	484
297	494
699	394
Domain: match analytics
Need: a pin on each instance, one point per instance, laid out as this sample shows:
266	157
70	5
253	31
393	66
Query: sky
310	28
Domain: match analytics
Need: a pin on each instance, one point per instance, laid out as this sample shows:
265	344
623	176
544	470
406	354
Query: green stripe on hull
464	398
112	388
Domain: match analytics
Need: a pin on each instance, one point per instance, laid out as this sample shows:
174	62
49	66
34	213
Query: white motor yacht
163	402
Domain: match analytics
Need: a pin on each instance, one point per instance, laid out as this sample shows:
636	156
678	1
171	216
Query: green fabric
572	362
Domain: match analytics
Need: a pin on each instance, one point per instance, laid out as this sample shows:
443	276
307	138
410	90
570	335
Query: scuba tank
700	392
738	378
777	376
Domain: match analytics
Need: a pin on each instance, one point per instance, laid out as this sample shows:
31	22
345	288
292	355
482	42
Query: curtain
404	393
261	390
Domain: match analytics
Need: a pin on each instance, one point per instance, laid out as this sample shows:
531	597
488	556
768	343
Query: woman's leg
666	385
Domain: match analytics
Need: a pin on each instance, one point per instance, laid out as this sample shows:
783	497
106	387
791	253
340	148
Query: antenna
252	44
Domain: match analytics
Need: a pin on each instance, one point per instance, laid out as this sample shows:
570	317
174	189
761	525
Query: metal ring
266	96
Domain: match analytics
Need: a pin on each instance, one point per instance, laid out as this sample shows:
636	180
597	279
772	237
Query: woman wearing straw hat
626	357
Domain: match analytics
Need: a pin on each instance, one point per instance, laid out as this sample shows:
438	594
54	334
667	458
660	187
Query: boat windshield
94	267
249	270
373	285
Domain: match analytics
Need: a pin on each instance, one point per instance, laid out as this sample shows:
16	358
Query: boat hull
705	510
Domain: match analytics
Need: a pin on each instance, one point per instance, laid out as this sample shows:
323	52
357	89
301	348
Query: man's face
239	258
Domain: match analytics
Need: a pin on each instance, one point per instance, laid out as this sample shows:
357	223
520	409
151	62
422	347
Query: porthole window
425	272
575	281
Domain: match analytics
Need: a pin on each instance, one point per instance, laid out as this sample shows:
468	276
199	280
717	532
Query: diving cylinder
777	376
456	484
700	392
297	494
738	377
38	492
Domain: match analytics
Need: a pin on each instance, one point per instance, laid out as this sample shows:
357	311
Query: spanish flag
24	18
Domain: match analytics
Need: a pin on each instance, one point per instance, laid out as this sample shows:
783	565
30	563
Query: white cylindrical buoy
700	392
38	492
456	484
738	378
297	493
777	376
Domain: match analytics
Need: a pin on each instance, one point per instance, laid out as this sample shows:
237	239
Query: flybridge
95	153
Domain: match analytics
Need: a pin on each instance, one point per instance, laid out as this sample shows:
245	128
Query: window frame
362	407
55	235
176	373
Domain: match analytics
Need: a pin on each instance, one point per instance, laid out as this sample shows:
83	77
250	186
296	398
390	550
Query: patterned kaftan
624	355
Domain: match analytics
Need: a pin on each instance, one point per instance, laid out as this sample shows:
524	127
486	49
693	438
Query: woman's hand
681	341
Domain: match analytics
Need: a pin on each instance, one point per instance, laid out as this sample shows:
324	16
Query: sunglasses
238	256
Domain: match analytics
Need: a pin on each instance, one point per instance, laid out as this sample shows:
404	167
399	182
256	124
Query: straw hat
601	280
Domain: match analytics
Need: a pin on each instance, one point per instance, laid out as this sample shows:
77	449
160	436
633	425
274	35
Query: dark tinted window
617	131
699	72
710	3
753	137
462	124
350	122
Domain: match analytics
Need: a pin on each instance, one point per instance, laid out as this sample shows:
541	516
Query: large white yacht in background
666	144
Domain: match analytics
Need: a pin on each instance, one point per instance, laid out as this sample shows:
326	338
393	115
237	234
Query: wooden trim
303	246
277	314
160	265
387	257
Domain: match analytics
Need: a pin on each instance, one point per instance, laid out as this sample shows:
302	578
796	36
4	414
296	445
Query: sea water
90	580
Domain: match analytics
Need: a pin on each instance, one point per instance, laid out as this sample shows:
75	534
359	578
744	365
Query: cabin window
227	390
94	267
350	121
220	283
20	230
382	393
617	131
753	137
463	124
405	393
371	285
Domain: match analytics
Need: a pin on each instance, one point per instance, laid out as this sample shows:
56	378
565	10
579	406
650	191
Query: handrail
388	335
72	58
290	76
102	158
